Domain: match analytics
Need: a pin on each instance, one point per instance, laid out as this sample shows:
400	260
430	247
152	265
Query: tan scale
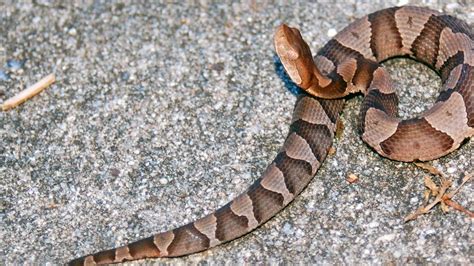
207	225
410	22
451	119
452	43
357	37
378	127
381	81
123	253
347	70
163	241
324	64
312	112
296	147
453	78
274	180
242	206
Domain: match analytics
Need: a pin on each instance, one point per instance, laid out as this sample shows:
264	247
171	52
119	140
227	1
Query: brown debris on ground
331	151
440	193
352	178
339	129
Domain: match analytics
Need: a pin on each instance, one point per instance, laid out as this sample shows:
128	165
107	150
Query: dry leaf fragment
442	197
431	169
339	128
464	180
414	215
458	207
431	185
332	151
28	92
352	178
444	207
426	196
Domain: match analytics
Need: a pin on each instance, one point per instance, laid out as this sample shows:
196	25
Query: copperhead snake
349	63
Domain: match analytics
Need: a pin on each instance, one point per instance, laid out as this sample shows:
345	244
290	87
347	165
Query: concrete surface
162	113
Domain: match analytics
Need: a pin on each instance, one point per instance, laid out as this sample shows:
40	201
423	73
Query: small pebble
452	6
373	224
72	32
430	231
386	238
287	229
114	172
218	105
163	181
125	75
402	2
397	254
331	33
15	64
4	76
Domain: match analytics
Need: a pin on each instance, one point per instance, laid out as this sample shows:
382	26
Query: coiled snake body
346	64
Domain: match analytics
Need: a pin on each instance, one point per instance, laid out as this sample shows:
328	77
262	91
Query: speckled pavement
162	113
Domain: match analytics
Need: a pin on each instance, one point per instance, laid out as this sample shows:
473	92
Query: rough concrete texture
162	113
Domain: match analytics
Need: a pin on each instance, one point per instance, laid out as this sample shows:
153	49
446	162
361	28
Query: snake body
346	64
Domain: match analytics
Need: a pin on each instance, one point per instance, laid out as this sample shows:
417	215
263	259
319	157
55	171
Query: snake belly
346	64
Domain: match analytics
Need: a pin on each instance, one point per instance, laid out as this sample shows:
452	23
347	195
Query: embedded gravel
163	112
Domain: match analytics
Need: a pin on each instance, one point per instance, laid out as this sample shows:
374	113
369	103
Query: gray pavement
162	113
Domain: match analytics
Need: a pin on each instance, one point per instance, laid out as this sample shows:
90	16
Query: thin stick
28	93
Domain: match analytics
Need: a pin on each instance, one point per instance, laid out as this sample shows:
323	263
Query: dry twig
440	193
28	93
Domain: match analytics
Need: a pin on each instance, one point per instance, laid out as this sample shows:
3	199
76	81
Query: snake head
295	55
